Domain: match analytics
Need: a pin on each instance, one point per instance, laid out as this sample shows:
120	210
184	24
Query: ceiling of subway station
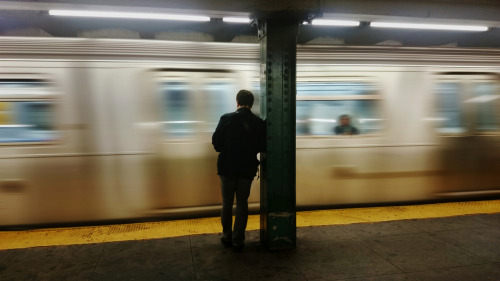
31	18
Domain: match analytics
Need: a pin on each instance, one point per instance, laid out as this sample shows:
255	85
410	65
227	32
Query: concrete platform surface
451	248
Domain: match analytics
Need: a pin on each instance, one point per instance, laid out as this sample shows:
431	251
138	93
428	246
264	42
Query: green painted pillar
278	42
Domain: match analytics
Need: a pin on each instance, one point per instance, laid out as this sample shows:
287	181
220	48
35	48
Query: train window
27	111
221	99
322	117
27	121
321	107
255	88
177	114
486	98
449	108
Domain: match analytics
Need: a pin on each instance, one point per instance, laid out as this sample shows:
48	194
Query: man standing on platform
238	138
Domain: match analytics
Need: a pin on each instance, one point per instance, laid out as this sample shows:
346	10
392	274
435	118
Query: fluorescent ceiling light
127	15
429	26
240	20
335	22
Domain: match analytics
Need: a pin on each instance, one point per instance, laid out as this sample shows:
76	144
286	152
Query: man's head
345	120
244	98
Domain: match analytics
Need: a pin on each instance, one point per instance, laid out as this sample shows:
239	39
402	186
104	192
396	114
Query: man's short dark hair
245	98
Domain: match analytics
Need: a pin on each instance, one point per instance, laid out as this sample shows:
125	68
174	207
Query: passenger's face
345	121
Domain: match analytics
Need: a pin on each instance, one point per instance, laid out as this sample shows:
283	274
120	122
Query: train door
189	105
467	108
41	177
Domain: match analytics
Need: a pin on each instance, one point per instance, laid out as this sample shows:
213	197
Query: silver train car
102	129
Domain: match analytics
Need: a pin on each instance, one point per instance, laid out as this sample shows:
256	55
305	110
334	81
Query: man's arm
218	136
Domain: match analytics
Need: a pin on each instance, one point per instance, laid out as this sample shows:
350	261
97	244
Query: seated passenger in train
345	127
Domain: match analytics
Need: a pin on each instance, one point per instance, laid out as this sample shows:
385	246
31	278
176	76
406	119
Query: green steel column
278	42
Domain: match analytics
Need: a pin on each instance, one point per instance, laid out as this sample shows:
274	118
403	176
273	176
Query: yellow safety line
164	229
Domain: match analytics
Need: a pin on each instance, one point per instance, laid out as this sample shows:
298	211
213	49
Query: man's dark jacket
239	136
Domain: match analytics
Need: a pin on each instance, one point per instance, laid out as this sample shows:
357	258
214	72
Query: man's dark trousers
241	187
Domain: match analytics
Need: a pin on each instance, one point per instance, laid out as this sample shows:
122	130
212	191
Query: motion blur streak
98	129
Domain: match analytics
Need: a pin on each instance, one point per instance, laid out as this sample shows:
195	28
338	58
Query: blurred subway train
100	129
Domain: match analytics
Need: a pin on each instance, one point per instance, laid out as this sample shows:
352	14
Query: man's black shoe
226	243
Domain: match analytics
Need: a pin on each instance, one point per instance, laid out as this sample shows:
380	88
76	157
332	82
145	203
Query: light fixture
237	20
127	15
429	26
335	22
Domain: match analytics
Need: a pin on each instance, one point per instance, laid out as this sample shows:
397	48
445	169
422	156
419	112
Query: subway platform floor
437	246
